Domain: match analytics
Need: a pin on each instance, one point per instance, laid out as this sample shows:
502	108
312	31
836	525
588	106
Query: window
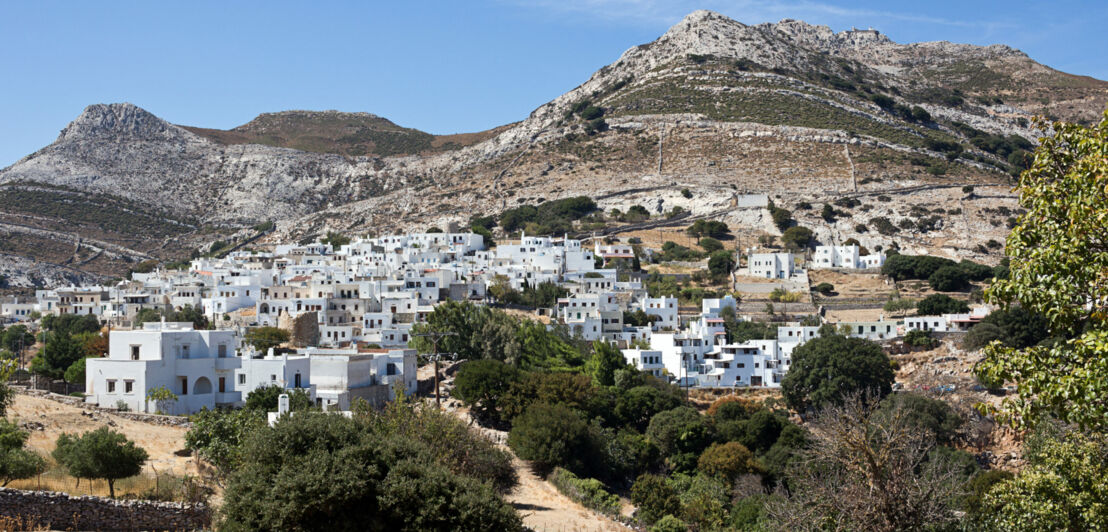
273	378
184	386
135	352
242	378
222	350
296	379
222	384
128	386
185	351
111	386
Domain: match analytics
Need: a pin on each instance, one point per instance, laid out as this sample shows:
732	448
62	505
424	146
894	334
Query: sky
439	66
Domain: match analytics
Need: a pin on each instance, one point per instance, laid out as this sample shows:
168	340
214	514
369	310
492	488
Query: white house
197	366
845	257
646	360
665	308
770	265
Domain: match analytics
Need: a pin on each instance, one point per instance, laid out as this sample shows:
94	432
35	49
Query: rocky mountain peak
120	120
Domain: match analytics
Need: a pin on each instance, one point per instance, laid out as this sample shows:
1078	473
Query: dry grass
14	524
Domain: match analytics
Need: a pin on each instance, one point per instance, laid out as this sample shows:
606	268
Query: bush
721	263
937	304
825	288
265	398
797	237
589	492
655	498
931	416
686	193
981	335
884	226
726	461
299	475
16	462
826	369
1020	328
549	436
918	338
710	245
669	523
681	435
263	338
948	279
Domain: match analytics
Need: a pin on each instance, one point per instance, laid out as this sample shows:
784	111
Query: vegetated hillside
336	132
791	110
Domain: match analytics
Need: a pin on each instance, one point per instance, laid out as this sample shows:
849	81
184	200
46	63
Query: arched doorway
202	386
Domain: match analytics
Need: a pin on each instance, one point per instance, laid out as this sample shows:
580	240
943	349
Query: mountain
720	108
337	132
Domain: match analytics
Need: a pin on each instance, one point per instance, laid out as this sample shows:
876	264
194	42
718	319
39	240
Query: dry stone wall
59	511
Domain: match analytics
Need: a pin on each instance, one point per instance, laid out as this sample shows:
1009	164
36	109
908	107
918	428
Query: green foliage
672	251
336	240
187	314
265	398
1019	327
919	338
932	416
549	217
782	218
161	397
686	193
980	336
61	352
17	337
937	304
606	359
482	384
824	288
1062	489
721	263
726	461
825	369
76	371
669	523
712	228
710	245
884	226
100	454
587	491
948	279
16	462
681	434
549	436
301	475
655	498
264	338
70	324
218	436
638	405
797	237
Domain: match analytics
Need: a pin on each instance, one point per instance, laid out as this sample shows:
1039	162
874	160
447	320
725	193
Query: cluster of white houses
351	311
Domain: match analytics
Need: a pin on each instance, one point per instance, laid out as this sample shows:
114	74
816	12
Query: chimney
282	404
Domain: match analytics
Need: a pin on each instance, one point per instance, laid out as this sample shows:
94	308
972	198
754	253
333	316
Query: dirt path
542	506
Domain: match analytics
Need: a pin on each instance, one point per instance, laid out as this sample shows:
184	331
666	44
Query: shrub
884	226
263	338
681	435
655	498
549	436
937	304
726	461
16	462
710	244
1021	329
931	416
826	369
482	383
981	335
825	288
721	263
589	492
782	218
948	279
669	523
797	237
686	193
918	338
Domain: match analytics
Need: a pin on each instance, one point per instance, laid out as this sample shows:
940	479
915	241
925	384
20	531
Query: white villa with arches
197	366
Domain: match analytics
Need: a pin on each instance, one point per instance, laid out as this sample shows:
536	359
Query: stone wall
153	419
59	511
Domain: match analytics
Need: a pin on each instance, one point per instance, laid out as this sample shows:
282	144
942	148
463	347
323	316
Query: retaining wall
59	511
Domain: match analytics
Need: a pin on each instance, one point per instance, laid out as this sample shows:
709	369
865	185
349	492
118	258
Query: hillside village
350	313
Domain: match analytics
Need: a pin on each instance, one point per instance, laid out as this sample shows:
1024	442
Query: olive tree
825	369
16	462
102	453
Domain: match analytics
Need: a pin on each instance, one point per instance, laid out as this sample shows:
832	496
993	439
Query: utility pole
435	336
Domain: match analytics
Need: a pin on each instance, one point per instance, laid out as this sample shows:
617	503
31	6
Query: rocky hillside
720	108
352	134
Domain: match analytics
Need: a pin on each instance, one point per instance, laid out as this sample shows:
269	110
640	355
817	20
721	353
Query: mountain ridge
712	103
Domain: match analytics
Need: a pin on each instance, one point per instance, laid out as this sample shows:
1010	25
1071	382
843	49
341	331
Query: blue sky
443	67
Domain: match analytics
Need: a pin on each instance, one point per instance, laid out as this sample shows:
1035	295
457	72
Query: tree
824	288
828	213
482	384
937	304
162	397
16	462
681	434
935	417
721	263
60	352
336	240
17	337
710	245
868	469
549	436
264	338
899	305
1019	328
948	279
726	461
825	370
378	471
7	395
1062	489
606	359
655	498
218	436
102	453
782	218
797	237
76	371
980	335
